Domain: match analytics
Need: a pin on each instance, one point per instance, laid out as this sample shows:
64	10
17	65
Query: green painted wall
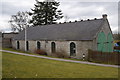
105	42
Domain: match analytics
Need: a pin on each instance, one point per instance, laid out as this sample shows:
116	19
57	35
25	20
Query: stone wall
81	47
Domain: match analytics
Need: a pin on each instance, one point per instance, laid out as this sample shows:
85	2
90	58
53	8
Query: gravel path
83	62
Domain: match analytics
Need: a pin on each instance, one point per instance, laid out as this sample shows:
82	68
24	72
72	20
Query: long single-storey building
74	38
7	39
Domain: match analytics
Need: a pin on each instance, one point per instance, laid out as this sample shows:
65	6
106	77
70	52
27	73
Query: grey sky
74	9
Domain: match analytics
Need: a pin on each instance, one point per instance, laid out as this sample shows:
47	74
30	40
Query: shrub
41	52
60	54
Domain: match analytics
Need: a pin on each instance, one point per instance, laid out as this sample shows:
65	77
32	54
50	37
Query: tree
116	36
19	21
45	13
66	18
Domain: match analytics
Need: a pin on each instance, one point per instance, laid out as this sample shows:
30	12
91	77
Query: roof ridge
71	22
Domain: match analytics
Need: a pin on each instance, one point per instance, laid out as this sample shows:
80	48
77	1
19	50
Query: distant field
19	66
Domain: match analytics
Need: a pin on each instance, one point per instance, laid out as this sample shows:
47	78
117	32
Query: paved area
82	62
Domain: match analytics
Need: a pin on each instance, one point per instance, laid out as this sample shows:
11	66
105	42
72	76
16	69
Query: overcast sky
73	9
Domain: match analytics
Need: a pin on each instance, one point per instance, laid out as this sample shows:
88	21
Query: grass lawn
20	66
11	49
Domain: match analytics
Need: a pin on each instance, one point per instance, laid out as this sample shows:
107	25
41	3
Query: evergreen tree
45	13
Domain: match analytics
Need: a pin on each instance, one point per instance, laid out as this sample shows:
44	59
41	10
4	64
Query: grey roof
81	30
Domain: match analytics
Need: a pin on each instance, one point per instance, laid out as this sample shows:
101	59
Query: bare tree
66	18
19	21
119	36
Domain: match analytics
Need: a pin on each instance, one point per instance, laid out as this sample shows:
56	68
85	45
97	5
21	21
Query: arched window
38	45
18	45
53	46
72	49
27	45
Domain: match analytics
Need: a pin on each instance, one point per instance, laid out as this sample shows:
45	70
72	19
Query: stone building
6	39
74	38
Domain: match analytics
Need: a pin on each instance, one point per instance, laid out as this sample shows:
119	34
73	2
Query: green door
109	43
101	42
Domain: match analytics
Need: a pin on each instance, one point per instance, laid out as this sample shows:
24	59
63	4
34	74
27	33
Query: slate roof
81	30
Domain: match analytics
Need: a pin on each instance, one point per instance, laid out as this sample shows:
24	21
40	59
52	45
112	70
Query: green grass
11	49
20	66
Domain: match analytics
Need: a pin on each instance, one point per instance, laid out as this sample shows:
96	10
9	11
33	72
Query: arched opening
18	45
72	49
101	42
53	47
109	43
27	45
38	45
